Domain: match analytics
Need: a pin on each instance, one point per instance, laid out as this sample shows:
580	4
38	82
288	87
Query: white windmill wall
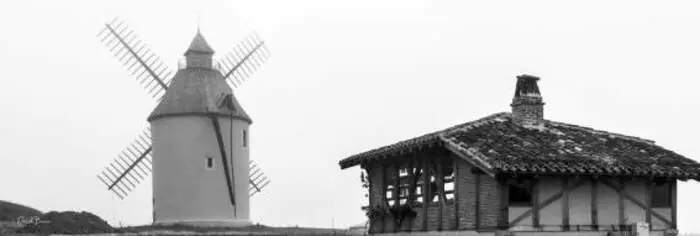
184	189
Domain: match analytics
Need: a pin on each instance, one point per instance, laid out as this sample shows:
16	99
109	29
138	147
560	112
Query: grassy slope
10	211
260	229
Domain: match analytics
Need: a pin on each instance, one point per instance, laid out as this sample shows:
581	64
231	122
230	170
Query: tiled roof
497	144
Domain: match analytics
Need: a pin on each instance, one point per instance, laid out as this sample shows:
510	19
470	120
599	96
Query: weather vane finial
199	18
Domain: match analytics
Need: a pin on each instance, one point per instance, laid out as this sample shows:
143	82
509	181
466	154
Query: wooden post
535	202
440	181
648	184
383	195
477	189
455	184
411	189
370	195
594	203
621	202
503	216
565	203
674	208
397	199
426	190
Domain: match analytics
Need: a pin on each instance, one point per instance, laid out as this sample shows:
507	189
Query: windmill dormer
199	54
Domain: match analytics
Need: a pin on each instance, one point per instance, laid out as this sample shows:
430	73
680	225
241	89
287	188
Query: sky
343	77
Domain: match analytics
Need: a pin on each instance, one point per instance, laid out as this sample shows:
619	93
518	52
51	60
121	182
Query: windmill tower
197	143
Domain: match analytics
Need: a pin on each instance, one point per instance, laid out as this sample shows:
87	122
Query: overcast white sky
344	77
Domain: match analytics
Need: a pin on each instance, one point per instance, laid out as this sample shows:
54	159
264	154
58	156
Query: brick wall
489	202
448	216
417	222
433	211
528	112
466	192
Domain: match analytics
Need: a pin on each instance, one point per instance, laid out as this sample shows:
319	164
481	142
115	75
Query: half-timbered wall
586	204
471	188
574	204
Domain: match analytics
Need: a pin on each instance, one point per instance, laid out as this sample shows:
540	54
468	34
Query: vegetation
11	211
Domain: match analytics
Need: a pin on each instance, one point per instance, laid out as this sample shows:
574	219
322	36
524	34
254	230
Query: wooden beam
425	190
547	202
594	203
565	203
637	202
674	209
534	186
224	160
455	184
477	211
647	198
621	203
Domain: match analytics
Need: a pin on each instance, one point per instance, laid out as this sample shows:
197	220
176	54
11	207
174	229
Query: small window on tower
245	138
210	162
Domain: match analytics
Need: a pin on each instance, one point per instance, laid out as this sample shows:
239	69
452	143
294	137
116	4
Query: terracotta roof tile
500	145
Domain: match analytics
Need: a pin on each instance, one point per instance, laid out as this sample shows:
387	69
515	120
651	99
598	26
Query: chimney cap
527	86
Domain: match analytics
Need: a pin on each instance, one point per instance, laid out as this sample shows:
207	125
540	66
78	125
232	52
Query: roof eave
367	157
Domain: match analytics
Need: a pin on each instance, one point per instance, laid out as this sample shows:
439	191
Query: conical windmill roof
200	45
199	92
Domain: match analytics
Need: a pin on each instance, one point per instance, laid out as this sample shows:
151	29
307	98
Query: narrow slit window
210	162
245	138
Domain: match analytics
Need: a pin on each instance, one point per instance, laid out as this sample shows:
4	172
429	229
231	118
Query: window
417	195
661	194
404	182
390	195
390	178
520	193
433	196
245	138
448	179
443	187
210	162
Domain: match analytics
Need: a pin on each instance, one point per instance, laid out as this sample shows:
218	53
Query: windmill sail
131	166
244	60
257	179
140	61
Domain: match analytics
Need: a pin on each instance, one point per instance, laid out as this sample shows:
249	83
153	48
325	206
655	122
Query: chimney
527	106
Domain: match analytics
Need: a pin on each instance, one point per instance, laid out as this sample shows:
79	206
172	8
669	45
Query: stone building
519	172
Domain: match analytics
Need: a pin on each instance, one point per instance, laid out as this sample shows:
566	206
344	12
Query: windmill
197	142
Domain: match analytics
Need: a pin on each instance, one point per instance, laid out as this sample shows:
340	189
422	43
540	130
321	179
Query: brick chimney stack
527	106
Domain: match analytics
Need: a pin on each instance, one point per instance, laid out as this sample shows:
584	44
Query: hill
11	211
